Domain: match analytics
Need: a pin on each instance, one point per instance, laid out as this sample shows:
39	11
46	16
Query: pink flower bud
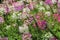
1	20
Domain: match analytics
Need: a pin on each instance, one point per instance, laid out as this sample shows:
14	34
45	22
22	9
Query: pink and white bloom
37	17
31	6
58	18
23	29
18	6
7	10
53	38
1	19
48	2
41	24
26	36
58	4
55	15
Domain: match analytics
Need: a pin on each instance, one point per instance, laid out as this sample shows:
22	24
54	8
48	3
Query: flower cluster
30	20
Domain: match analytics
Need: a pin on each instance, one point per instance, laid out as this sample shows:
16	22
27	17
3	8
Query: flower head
41	24
58	4
58	18
48	13
55	15
53	38
26	36
48	2
7	9
23	29
37	17
30	6
5	38
18	6
1	19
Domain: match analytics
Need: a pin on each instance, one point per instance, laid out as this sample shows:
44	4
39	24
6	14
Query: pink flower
55	15
58	4
48	2
5	38
26	36
1	20
11	1
37	17
30	19
7	9
58	10
34	25
53	38
18	6
30	6
41	24
58	19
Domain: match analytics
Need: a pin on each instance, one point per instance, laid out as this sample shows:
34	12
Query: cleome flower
26	36
1	19
23	29
18	6
41	24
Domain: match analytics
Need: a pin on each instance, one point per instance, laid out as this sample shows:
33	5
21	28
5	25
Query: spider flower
58	10
5	38
26	36
7	9
41	24
30	6
1	20
18	6
23	29
37	17
55	15
58	4
48	2
53	38
58	18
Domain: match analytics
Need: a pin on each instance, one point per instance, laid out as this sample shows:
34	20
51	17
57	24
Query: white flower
54	1
11	8
14	16
19	15
41	8
36	6
41	3
48	35
24	15
8	26
58	1
47	7
1	9
48	13
26	10
54	10
23	29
